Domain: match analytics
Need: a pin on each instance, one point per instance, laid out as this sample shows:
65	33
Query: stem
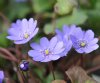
7	55
51	69
23	76
82	60
93	69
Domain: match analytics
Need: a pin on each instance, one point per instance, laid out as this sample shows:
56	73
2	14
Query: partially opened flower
22	31
24	65
64	36
1	76
47	50
84	42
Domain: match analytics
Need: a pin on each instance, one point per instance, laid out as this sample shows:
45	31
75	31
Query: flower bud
24	65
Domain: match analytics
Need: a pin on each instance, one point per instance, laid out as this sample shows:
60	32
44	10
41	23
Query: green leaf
17	10
2	4
77	17
88	81
42	5
3	26
50	77
4	42
93	21
39	72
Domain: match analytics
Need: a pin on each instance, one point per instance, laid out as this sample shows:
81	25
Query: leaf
49	78
2	4
58	81
4	42
39	72
42	5
77	17
95	77
17	10
4	25
93	21
78	75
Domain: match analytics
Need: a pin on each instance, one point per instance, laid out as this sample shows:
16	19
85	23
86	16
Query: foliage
50	14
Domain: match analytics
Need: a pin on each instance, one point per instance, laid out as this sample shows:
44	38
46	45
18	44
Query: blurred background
50	14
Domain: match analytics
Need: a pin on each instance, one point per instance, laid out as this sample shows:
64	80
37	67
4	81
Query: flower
84	41
22	31
1	76
65	36
24	65
47	50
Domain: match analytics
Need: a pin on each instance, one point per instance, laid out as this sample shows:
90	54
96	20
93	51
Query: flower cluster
82	41
59	45
65	36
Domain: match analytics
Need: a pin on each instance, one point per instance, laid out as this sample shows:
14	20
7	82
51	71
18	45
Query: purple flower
22	31
24	65
47	50
84	42
65	36
1	76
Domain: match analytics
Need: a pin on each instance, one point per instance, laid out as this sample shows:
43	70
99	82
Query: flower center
46	51
26	35
82	44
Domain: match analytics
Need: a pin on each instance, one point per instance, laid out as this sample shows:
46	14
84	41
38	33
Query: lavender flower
65	36
1	76
22	31
47	50
84	42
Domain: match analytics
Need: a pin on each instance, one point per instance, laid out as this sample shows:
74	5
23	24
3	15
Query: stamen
26	35
82	44
47	52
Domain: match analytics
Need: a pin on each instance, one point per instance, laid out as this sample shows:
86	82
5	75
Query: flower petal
1	76
59	51
59	34
53	43
32	24
24	25
44	42
94	41
89	34
14	38
40	58
59	45
66	29
46	59
91	48
80	50
74	42
26	40
35	46
54	57
59	48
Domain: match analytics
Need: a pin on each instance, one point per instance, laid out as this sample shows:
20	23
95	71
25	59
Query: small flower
24	65
1	76
65	36
47	50
84	42
22	31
